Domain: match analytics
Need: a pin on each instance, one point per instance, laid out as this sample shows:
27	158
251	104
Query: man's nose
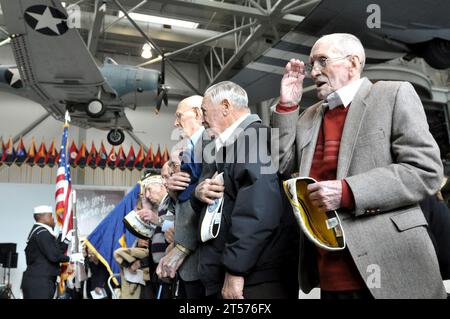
315	72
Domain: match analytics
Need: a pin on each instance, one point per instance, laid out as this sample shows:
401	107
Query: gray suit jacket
186	225
390	161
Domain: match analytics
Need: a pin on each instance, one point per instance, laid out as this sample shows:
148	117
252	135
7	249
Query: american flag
63	194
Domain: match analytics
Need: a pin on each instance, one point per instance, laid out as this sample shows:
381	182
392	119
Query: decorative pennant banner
79	156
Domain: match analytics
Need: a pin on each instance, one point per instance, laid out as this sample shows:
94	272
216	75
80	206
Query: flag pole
66	118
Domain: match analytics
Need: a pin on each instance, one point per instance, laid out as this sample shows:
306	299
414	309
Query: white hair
228	90
346	44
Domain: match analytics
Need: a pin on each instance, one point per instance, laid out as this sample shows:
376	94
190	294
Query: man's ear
356	62
226	106
198	113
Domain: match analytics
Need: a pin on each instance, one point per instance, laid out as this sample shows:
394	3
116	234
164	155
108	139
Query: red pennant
157	159
31	153
148	161
112	158
92	157
52	154
81	158
39	159
131	158
102	157
139	162
9	153
120	161
73	153
165	156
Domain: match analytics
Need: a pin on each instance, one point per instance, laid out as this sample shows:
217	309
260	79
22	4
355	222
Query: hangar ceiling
260	24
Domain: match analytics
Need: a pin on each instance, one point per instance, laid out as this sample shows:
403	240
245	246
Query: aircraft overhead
55	69
407	28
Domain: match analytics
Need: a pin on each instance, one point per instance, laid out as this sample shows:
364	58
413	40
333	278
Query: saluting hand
292	83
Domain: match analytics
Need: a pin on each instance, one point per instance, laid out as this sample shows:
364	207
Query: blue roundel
46	20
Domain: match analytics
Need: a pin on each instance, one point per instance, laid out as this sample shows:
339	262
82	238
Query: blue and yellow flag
111	233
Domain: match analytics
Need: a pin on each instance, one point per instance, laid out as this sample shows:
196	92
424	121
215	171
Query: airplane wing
54	63
405	21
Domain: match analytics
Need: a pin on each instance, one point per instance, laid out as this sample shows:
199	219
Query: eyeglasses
322	62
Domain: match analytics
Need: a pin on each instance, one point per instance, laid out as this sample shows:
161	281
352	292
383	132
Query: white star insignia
15	76
46	20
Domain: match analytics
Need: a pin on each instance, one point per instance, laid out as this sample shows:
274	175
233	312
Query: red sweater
337	271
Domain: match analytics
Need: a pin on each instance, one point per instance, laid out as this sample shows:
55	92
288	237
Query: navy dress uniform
44	252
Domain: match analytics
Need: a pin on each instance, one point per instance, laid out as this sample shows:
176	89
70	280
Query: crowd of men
224	227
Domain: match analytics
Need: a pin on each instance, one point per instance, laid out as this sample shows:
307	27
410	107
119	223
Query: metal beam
94	32
4	31
292	3
258	6
6	41
242	50
192	46
140	4
233	9
277	8
137	140
157	49
75	4
31	127
175	34
275	13
301	6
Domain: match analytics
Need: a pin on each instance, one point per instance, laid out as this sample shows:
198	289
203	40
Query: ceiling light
146	51
161	20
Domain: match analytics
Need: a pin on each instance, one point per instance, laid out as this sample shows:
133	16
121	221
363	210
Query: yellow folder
323	229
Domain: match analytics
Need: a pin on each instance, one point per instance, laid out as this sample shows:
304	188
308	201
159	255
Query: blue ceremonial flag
111	233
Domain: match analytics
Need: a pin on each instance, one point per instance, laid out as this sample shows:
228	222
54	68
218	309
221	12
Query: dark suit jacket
437	215
252	241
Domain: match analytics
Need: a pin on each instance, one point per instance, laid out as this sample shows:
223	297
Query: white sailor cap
154	179
43	209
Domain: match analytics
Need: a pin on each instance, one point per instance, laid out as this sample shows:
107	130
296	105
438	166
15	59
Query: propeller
162	89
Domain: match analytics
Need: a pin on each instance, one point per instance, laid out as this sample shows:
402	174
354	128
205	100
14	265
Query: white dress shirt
344	96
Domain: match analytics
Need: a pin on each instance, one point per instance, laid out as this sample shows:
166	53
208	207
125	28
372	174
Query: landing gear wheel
95	108
116	137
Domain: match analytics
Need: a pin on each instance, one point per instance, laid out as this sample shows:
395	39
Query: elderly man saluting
370	149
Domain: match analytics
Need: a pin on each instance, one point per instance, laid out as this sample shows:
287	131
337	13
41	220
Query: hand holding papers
211	222
323	229
136	277
98	293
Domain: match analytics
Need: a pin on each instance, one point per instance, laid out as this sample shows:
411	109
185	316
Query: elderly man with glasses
186	165
369	147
